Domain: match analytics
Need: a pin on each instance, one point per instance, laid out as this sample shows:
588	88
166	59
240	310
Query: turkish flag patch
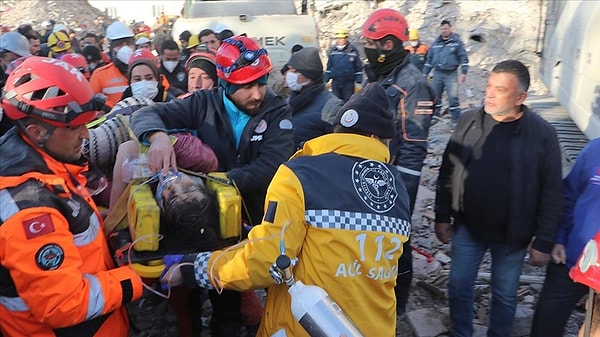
38	226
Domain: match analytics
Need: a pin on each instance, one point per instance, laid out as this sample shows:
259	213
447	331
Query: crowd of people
328	178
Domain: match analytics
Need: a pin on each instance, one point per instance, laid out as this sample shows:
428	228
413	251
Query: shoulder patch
50	256
38	226
286	124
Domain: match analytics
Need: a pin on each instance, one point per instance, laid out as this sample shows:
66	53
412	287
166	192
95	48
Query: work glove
169	261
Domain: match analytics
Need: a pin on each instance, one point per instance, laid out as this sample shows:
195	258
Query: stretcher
133	226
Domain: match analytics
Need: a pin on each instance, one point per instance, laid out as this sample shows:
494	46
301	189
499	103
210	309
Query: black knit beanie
368	112
207	66
307	62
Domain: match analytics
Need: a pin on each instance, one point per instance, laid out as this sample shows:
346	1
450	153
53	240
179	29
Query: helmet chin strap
41	143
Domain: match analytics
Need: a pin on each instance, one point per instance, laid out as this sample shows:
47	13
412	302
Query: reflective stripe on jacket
346	216
57	276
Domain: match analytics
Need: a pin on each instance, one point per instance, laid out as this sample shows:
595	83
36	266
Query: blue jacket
307	108
447	55
411	102
344	65
581	219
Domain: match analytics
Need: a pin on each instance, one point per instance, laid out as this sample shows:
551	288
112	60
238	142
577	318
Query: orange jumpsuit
57	276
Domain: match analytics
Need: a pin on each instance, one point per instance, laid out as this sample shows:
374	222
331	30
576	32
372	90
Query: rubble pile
78	15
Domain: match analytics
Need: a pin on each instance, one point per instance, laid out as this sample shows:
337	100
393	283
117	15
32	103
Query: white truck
275	24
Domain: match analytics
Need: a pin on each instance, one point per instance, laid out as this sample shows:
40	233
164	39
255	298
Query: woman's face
198	79
142	72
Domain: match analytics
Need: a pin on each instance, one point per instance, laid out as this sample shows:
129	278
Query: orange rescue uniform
57	275
108	80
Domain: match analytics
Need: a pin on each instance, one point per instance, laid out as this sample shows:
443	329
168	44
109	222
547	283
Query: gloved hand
171	278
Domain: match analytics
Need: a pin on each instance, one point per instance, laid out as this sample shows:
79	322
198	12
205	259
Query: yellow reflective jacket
347	217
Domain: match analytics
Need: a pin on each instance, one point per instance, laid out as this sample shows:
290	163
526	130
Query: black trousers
558	298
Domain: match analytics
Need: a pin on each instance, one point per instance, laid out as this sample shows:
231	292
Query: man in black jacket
411	100
247	126
501	181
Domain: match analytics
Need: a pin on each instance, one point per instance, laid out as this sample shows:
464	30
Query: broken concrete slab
426	323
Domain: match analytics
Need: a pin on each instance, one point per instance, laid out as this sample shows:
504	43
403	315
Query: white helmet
60	27
15	43
118	30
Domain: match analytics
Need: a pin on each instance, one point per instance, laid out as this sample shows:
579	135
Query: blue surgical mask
148	89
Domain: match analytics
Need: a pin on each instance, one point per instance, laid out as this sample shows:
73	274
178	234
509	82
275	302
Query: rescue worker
344	66
336	205
59	44
201	71
79	62
171	66
411	98
417	50
309	99
446	55
57	275
13	48
247	126
111	79
145	80
143	41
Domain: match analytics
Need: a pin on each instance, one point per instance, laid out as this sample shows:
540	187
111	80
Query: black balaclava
383	62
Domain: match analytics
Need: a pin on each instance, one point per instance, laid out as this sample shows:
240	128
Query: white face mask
170	65
414	43
340	47
148	89
291	79
124	53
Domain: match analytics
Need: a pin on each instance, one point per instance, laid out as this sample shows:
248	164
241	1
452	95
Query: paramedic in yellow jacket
57	276
347	215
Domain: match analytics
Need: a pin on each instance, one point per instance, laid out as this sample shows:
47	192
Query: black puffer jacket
266	142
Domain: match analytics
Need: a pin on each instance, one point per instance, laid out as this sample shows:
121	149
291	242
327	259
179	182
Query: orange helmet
78	61
52	91
241	60
383	22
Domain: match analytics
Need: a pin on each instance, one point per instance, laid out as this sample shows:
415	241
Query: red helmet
208	55
140	54
241	60
385	21
52	91
78	61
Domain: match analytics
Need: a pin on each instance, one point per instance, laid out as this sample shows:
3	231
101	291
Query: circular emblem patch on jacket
261	127
180	76
375	184
50	256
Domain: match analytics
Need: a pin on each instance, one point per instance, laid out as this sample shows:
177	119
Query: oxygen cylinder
318	314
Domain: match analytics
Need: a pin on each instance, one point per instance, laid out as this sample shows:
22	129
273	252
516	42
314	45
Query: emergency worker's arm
51	277
428	61
463	58
276	147
574	184
247	267
151	125
413	127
